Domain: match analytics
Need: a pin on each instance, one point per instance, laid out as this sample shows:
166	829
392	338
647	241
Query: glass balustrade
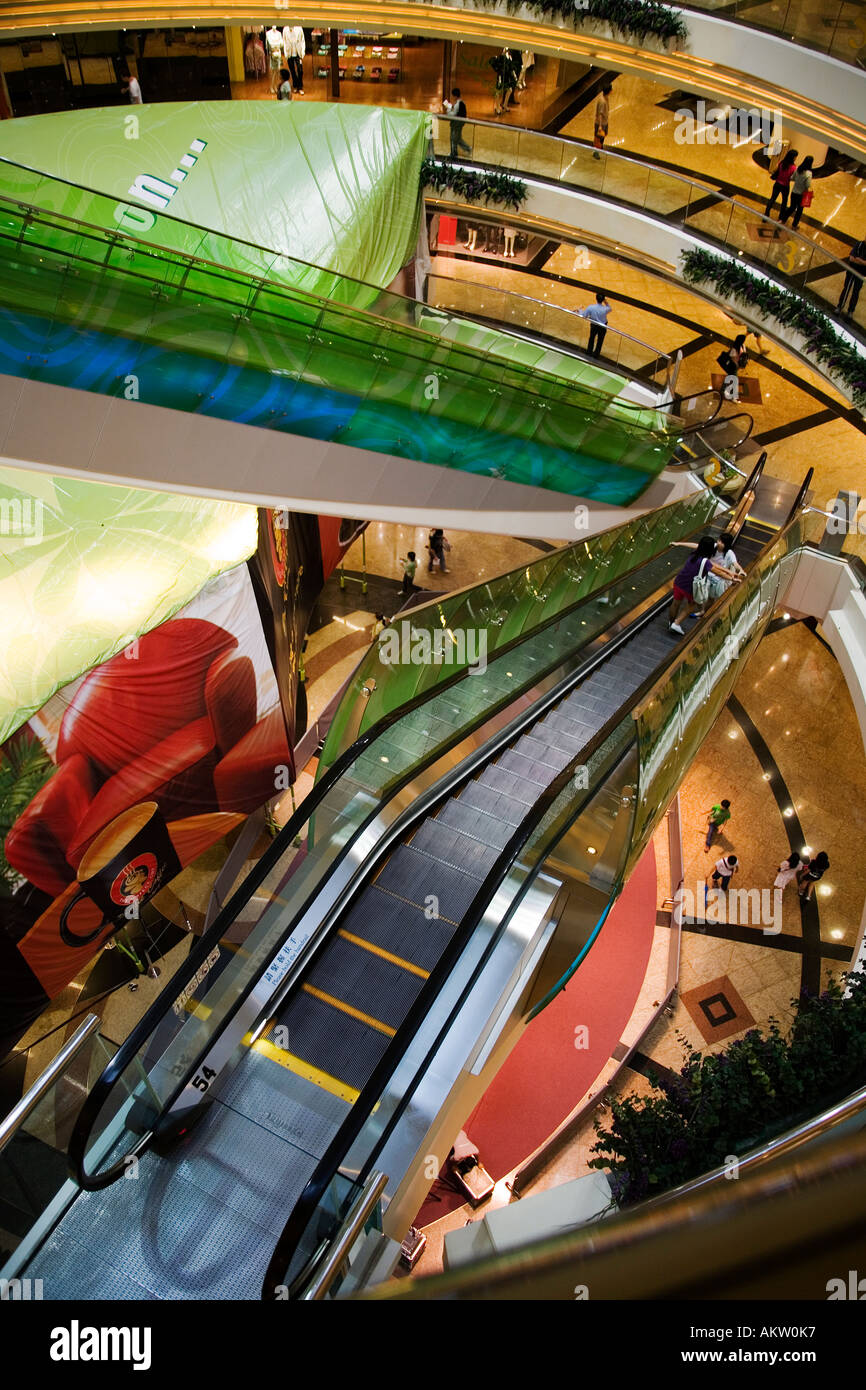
494	615
678	714
810	263
212	322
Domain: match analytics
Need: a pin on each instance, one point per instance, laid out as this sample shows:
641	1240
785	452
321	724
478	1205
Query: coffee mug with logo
129	861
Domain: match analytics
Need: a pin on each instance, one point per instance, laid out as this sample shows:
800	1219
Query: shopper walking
410	564
810	873
801	193
601	120
782	182
717	816
724	871
132	89
853	279
456	109
597	314
787	871
437	544
690	585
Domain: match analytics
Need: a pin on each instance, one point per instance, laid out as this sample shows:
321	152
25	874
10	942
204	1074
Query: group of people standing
792	186
437	546
804	871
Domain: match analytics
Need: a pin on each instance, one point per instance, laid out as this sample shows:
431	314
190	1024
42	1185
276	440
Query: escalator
211	325
422	837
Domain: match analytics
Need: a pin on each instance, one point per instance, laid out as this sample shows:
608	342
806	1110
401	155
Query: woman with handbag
801	193
691	585
781	182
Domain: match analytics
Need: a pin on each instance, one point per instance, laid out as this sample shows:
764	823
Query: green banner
333	185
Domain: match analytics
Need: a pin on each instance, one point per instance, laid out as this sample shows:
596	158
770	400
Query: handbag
701	585
806	200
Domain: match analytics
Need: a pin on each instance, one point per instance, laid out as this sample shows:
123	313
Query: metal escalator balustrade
218	982
484	814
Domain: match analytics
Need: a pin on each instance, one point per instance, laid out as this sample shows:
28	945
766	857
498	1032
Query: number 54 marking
203	1078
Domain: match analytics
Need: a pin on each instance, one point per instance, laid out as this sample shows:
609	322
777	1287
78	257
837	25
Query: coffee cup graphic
129	861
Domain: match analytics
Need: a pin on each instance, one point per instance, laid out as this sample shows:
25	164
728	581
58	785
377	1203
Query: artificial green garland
735	282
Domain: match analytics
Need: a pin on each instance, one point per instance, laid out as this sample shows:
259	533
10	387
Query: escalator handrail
162	1005
679	401
328	1167
278	287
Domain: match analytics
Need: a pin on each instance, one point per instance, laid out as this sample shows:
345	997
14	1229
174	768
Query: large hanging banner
122	779
335	187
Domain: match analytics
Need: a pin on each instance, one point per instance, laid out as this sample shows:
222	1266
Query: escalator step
506	783
414	876
528	769
501	807
365	982
452	847
557	738
332	1041
476	824
542	752
385	921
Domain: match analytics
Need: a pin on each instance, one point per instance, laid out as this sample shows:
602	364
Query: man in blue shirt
597	314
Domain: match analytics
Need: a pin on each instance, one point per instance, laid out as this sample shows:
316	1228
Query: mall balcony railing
792	258
620	350
789	1221
183	287
836	27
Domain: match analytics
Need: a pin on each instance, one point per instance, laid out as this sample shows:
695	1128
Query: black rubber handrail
328	1167
96	1098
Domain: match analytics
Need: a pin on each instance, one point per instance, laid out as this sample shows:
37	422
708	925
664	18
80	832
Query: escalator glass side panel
678	713
33	1165
459	626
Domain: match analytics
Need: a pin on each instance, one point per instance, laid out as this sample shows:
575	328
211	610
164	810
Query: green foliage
473	185
735	282
640	19
727	1102
25	767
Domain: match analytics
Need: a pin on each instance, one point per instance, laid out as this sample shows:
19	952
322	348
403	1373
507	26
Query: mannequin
472	233
276	60
255	61
510	234
528	61
295	48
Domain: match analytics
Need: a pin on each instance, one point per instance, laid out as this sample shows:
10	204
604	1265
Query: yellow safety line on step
347	1009
306	1070
386	955
417	906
